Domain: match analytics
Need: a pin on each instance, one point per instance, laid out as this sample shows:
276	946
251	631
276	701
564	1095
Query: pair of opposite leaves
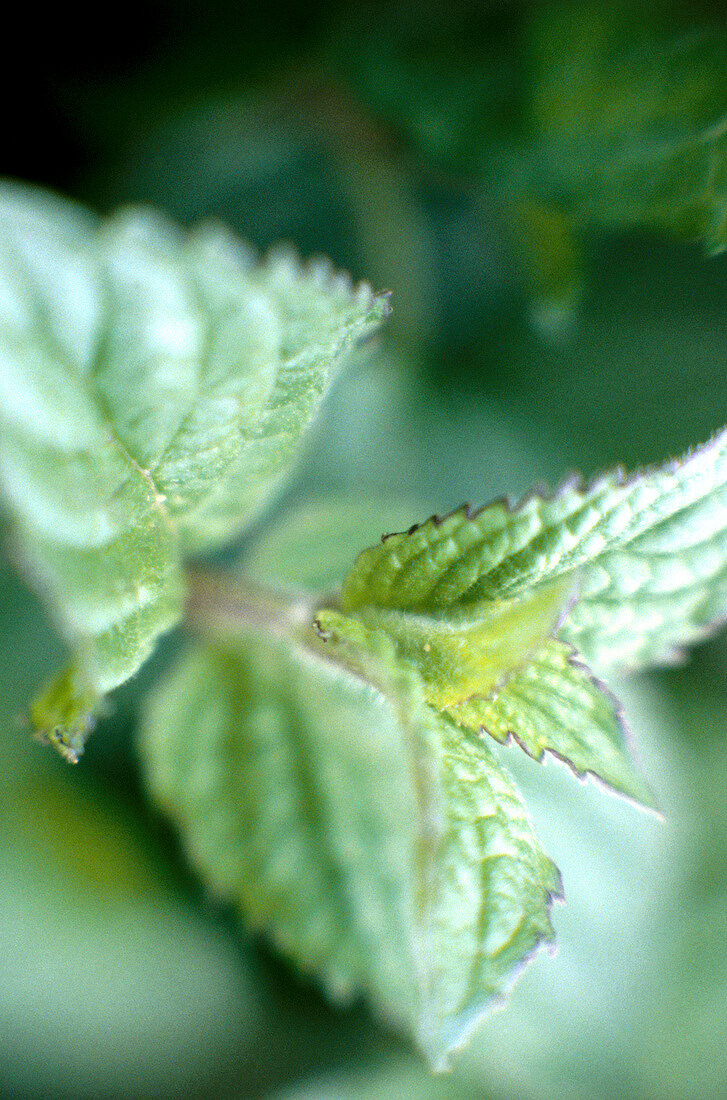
334	779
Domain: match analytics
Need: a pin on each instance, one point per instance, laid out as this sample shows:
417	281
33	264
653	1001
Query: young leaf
63	714
648	553
491	667
625	569
380	846
154	389
463	652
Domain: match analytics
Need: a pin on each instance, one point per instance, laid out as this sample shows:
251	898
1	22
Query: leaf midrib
43	333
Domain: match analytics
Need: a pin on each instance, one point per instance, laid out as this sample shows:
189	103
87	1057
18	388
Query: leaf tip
382	302
64	715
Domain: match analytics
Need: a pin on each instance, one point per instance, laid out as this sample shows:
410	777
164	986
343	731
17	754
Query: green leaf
381	847
648	553
625	569
154	390
553	704
454	658
466	651
63	714
320	317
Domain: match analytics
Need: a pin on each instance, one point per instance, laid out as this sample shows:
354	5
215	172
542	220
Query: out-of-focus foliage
627	117
616	116
486	139
106	966
395	1077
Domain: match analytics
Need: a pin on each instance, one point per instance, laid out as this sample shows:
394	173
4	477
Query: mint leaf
320	317
553	704
647	552
382	848
625	569
462	652
63	714
154	390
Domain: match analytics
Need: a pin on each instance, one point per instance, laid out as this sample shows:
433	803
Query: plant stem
225	606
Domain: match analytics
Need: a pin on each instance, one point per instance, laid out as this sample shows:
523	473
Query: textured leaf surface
154	388
553	704
648	552
381	848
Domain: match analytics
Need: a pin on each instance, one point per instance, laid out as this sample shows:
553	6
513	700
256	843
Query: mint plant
327	743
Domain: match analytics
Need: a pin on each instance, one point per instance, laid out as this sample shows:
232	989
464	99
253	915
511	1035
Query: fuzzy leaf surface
154	390
381	848
461	653
647	552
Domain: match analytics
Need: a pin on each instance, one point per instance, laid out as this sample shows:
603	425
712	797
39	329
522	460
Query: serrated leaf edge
582	774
